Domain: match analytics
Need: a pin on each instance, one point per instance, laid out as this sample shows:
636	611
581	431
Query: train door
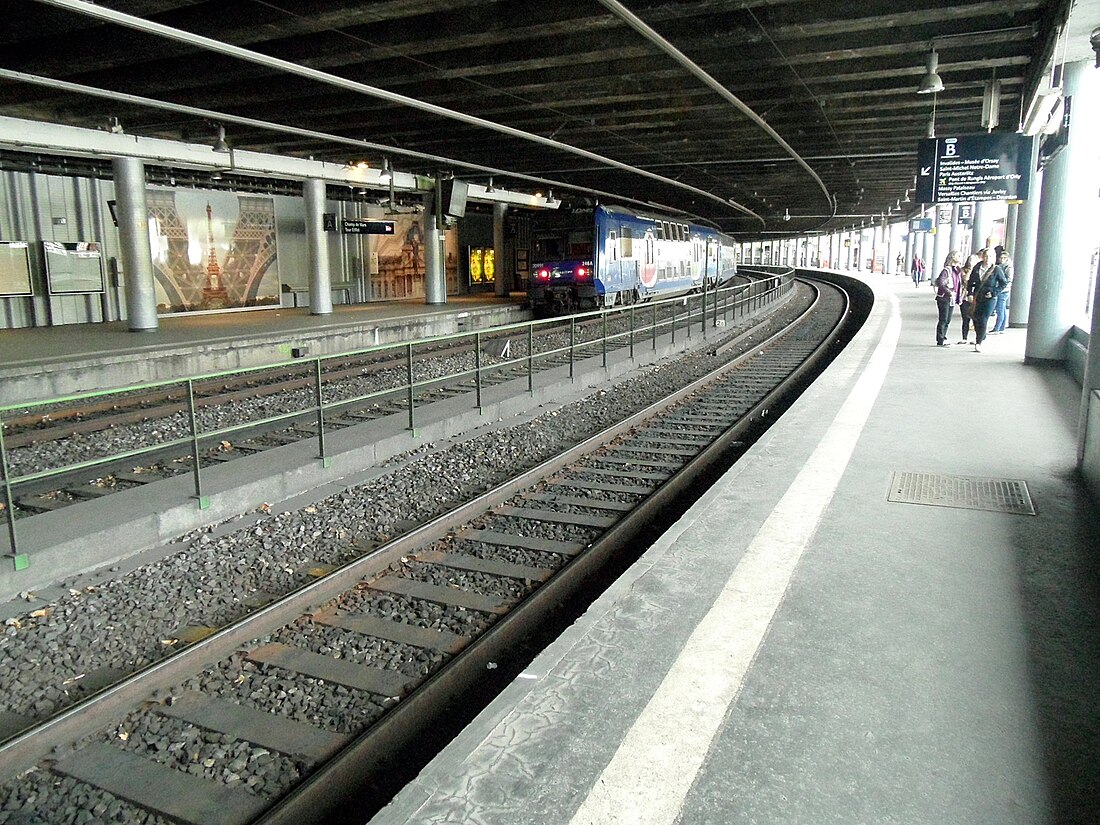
649	266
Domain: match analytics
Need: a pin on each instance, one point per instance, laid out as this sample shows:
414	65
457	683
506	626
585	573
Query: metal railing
617	328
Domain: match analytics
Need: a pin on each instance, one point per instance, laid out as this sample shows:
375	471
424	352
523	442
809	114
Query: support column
133	235
927	247
503	282
320	278
953	239
435	275
888	265
910	250
1067	223
1023	249
1011	222
1091	381
982	226
942	244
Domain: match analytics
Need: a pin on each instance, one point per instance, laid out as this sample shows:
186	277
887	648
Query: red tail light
581	273
542	275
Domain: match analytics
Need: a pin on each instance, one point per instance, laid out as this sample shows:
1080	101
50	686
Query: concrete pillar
503	283
320	278
984	216
910	250
435	273
1011	222
1023	249
888	263
954	240
942	245
133	236
1091	382
927	242
1067	222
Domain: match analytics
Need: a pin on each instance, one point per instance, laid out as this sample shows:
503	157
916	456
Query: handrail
708	305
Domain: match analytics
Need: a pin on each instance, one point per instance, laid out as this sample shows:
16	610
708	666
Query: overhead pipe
647	32
218	47
210	114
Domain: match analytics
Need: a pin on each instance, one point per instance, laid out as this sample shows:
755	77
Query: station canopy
757	116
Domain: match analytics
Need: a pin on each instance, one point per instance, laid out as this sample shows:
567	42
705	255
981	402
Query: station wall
36	207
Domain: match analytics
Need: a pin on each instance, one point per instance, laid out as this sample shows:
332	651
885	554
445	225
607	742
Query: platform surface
801	649
36	345
50	362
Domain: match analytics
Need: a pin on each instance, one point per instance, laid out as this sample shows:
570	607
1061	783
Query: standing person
901	264
1001	308
918	270
987	279
948	290
966	297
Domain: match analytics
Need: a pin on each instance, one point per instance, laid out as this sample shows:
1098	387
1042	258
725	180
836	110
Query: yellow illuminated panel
475	265
482	266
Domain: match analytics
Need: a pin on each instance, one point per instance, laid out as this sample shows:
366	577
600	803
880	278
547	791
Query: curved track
410	626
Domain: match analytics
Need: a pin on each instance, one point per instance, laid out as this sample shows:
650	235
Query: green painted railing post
409	377
572	344
605	339
632	332
530	358
196	462
319	398
20	560
477	365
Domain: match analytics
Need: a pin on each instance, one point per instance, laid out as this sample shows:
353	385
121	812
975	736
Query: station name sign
355	226
993	167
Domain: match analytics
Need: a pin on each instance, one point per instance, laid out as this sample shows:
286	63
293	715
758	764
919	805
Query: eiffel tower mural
238	280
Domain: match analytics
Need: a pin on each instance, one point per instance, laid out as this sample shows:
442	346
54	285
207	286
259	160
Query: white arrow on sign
925	171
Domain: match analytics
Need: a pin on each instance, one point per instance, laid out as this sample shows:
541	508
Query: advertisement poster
212	250
401	260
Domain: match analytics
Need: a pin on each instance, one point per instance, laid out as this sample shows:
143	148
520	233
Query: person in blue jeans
987	279
1000	310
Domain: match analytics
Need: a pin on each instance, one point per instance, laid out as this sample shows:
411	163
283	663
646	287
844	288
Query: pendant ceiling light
931	81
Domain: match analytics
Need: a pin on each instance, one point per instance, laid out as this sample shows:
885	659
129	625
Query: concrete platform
799	649
50	362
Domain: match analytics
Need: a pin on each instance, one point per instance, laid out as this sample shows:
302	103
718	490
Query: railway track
72	434
215	733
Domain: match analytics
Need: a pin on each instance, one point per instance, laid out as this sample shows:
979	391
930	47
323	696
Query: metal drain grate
1001	495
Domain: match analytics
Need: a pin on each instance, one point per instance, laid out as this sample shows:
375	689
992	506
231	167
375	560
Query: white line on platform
648	778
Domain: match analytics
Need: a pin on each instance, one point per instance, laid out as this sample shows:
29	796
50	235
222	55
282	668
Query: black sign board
966	213
354	226
993	167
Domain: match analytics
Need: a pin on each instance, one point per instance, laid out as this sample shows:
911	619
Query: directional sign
993	167
943	214
354	226
966	213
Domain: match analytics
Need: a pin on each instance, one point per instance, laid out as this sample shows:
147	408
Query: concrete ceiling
835	80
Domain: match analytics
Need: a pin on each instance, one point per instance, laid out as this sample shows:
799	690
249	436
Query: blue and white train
612	255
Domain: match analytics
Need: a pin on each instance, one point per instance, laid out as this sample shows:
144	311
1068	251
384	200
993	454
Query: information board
15	268
920	225
993	167
73	268
354	226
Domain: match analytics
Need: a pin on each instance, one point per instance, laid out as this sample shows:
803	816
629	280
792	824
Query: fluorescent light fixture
991	105
1042	111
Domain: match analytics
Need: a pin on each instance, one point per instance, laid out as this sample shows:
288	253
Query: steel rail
56	734
323	796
